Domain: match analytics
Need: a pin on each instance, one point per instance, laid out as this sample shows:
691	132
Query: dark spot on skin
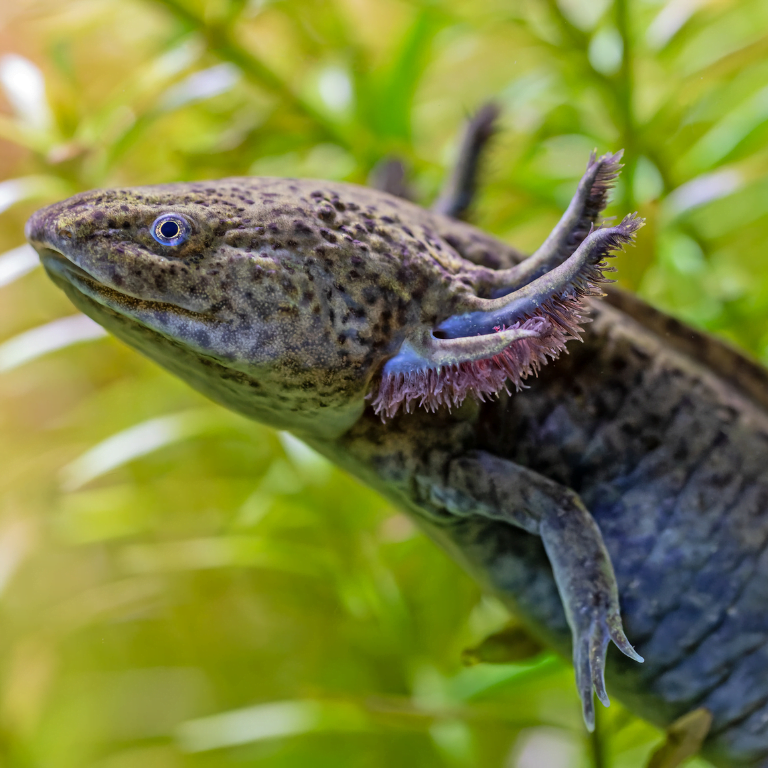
126	225
651	442
640	352
202	338
674	326
328	235
619	364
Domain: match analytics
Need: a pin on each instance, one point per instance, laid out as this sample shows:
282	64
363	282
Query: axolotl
617	494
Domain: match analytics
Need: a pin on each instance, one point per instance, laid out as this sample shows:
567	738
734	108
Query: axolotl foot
592	632
478	485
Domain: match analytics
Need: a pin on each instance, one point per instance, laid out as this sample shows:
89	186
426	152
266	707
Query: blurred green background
182	588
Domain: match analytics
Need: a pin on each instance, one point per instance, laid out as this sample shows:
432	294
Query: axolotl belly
615	494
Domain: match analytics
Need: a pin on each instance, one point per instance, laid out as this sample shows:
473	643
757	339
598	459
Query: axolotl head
299	303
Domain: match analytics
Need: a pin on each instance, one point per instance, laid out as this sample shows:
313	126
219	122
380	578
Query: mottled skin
291	295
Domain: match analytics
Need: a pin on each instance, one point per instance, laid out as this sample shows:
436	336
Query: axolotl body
618	492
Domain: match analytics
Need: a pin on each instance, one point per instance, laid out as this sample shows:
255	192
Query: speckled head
296	302
279	298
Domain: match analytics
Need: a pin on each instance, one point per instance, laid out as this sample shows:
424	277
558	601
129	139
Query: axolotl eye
170	229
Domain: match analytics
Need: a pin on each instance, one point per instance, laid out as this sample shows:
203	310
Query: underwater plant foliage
180	587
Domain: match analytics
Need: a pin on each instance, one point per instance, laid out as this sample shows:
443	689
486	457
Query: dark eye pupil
169	229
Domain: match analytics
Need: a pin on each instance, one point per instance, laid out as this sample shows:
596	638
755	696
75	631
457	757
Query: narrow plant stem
617	90
596	745
625	97
222	43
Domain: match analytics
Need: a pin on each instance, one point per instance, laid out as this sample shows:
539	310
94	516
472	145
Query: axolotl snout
406	346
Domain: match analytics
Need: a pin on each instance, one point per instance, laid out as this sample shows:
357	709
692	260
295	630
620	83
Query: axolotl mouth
68	275
85	290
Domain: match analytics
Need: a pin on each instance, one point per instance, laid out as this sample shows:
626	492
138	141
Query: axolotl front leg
480	484
490	343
